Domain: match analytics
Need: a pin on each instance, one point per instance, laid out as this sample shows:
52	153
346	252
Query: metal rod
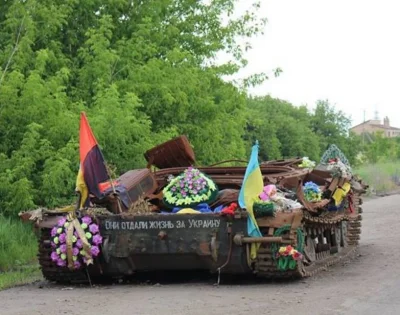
271	239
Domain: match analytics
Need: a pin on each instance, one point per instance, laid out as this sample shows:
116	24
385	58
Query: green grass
18	253
383	177
20	276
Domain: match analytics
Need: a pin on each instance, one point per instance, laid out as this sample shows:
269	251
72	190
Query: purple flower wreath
59	242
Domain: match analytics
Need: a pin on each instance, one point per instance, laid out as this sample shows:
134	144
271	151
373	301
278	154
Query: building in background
374	125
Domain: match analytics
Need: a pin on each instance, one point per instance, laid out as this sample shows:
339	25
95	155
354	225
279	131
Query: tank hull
209	242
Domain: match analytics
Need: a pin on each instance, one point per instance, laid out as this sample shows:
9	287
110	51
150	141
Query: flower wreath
189	189
75	242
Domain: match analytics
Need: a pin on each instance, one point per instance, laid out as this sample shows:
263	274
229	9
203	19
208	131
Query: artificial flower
75	251
54	256
97	239
63	248
86	220
62	238
79	243
94	251
53	231
61	222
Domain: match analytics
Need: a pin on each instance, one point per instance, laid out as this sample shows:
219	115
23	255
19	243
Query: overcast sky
346	51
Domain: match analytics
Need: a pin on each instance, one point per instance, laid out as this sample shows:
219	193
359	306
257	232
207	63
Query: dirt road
370	284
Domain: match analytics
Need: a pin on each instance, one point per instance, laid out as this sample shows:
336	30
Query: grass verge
18	253
382	177
20	276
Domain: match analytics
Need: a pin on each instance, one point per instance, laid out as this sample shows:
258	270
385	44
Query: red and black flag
92	170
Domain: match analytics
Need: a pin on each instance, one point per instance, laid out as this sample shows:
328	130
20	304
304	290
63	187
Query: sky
346	51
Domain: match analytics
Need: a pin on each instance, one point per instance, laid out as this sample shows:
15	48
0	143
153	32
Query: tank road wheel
309	250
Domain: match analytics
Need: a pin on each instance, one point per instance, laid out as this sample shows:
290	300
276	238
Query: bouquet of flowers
189	189
339	169
288	257
307	163
87	235
286	251
312	192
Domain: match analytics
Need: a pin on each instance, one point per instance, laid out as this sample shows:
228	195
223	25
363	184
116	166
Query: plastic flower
97	239
59	230
84	226
66	224
61	263
93	228
263	196
61	222
79	243
297	256
63	248
55	240
282	250
63	256
86	220
54	256
53	231
94	250
88	235
62	238
75	251
77	264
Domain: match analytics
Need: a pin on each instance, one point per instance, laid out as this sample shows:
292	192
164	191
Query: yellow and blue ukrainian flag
252	186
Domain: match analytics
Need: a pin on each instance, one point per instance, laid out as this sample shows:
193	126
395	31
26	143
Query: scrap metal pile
308	217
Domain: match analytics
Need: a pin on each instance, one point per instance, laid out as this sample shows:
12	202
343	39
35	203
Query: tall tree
143	71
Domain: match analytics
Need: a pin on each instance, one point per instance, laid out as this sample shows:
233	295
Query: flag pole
112	184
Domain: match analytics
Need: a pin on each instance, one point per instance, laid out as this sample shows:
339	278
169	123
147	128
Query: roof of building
385	127
376	125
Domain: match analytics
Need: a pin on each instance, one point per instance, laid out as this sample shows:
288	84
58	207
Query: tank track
341	229
50	271
345	224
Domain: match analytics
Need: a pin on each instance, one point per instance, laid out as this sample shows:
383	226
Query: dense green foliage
144	71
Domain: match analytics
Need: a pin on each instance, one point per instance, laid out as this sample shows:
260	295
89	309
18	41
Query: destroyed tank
299	235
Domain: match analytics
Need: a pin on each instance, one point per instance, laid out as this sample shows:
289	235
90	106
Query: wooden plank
278	221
